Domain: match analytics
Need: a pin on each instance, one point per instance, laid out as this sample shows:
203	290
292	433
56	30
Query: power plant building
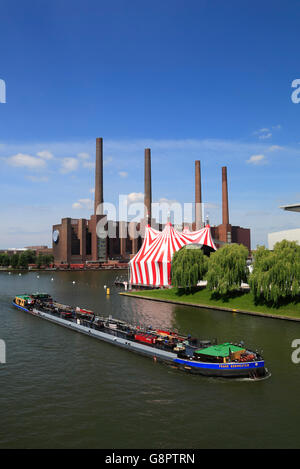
75	241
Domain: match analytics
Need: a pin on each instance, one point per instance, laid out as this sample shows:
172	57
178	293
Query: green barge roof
221	350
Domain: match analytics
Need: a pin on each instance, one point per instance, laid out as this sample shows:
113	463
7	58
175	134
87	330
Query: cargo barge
204	357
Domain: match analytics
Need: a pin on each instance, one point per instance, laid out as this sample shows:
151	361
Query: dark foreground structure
75	241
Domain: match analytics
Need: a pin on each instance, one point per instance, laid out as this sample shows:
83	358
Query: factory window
75	243
88	243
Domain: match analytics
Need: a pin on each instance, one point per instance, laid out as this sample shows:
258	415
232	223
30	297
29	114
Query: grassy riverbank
241	302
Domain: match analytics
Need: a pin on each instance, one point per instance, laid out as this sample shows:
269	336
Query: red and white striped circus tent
152	264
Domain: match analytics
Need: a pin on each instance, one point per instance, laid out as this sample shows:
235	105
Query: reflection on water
65	390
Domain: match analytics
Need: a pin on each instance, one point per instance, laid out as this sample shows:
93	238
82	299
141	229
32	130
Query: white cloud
69	164
261	131
22	160
275	148
264	130
265	136
123	174
83	203
45	154
163	200
83	156
135	197
257	159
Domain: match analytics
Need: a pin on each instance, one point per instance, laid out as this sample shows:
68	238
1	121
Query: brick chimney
99	176
224	230
198	197
225	210
148	189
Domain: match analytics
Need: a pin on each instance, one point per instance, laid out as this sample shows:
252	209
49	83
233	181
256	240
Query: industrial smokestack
225	210
99	176
198	196
148	190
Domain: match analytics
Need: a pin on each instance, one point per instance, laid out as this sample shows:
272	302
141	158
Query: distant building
76	241
40	249
289	235
36	249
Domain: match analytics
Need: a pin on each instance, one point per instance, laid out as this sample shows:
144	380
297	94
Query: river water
61	389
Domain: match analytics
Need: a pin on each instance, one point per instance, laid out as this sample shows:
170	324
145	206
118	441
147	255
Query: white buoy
52	279
37	276
104	286
20	275
9	273
73	282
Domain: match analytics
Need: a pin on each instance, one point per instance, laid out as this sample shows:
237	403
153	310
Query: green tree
188	267
30	256
14	260
40	260
5	260
227	269
44	259
23	261
276	274
48	259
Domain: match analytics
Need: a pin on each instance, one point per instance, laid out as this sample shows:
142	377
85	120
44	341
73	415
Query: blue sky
208	80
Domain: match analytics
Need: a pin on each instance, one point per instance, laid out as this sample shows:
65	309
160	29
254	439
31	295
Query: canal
61	389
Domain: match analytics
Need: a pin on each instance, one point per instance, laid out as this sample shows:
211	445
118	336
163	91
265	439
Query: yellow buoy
107	291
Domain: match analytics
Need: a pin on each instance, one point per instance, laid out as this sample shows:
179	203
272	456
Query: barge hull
124	343
229	370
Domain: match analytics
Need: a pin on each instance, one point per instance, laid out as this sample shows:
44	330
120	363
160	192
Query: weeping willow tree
227	269
188	267
276	274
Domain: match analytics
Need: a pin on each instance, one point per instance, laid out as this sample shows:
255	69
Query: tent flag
152	264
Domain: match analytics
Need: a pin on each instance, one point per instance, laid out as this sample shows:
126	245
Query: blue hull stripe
220	366
20	307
